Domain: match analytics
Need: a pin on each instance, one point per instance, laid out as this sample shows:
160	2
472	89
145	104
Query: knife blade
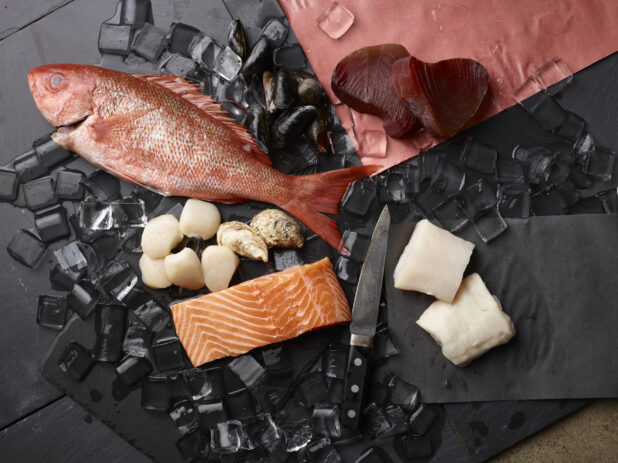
364	318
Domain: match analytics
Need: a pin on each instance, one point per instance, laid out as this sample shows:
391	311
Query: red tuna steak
444	95
363	81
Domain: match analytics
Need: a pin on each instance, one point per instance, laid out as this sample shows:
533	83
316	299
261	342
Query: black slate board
556	278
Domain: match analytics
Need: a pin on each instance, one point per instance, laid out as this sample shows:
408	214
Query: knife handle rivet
351	413
358	361
354	388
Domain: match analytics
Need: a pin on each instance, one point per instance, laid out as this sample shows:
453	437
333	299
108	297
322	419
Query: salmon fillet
262	311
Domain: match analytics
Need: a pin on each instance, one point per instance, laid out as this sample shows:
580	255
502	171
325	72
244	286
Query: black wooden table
37	422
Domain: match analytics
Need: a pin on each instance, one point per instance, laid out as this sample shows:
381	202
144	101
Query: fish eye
57	80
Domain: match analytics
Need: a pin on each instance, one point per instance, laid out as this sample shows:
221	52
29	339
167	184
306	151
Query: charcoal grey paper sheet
557	278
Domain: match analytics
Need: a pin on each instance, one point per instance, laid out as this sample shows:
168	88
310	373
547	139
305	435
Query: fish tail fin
322	193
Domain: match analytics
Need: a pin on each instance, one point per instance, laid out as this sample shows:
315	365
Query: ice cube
132	369
447	179
95	215
129	213
153	316
326	420
51	311
263	431
572	127
194	445
590	205
115	39
329	455
374	421
396	418
8	185
410	447
548	202
334	363
205	384
51	223
547	112
248	370
69	184
336	20
383	346
26	247
239	405
291	56
558	173
479	156
286	258
227	437
185	416
181	37
312	389
554	75
514	200
489	224
205	51
83	298
478	197
347	270
422	418
108	348
137	340
156	394
401	393
75	361
227	64
372	143
168	354
580	179
150	42
276	31
118	279
29	166
538	168
277	360
357	243
296	436
584	144
71	257
178	65
529	87
373	455
568	191
39	193
510	171
609	199
210	413
600	163
50	153
393	188
450	215
110	320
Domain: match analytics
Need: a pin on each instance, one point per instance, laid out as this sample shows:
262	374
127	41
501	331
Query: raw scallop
470	325
363	81
433	262
444	95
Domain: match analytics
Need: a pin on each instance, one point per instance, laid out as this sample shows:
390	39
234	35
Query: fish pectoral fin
191	93
113	126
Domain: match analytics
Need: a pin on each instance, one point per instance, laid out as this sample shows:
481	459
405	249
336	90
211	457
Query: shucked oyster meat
243	240
278	229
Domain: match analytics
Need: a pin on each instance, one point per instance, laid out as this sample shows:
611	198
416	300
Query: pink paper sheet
510	38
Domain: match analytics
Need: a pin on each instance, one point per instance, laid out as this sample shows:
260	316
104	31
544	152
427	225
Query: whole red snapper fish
161	133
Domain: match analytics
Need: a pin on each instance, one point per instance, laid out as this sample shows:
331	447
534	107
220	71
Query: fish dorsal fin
191	93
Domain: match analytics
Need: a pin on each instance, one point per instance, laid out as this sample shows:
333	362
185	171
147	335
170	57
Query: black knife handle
354	386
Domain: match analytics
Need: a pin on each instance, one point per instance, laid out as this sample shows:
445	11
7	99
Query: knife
364	319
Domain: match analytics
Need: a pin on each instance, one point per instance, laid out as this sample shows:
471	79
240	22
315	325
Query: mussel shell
268	83
257	124
292	123
285	89
311	92
317	133
236	38
259	58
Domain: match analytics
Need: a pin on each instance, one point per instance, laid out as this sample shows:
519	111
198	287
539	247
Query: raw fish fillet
363	81
444	95
262	311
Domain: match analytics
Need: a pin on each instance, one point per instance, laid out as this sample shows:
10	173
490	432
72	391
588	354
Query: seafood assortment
161	133
470	325
263	311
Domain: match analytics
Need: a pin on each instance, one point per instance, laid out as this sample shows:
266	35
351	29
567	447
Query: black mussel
255	91
259	58
317	133
268	83
236	39
311	92
285	89
292	123
256	123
